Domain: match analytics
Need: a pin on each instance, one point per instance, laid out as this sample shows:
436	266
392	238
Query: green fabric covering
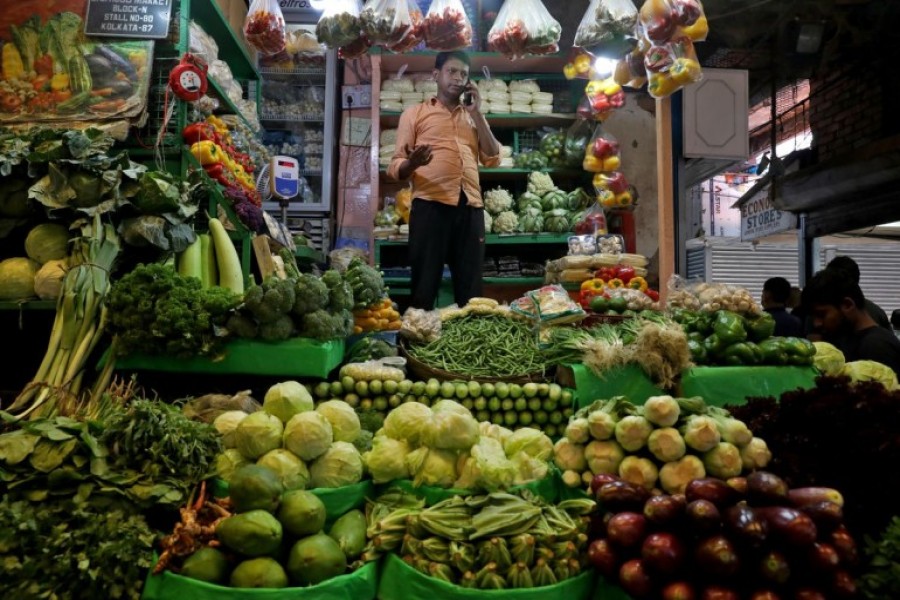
719	386
399	581
359	585
547	488
629	381
607	590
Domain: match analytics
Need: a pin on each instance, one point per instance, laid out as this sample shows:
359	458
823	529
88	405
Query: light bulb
604	67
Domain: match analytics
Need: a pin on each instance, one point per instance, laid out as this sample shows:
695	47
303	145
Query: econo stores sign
760	218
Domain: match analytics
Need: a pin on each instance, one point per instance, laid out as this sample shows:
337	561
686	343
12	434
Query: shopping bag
446	26
607	28
339	24
385	22
264	27
524	27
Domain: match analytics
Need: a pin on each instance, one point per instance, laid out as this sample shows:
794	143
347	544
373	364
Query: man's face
452	77
829	319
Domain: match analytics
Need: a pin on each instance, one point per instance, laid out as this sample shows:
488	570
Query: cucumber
74	103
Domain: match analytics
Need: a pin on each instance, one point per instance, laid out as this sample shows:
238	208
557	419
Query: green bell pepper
773	352
729	327
795	346
714	346
760	328
696	336
740	354
698	351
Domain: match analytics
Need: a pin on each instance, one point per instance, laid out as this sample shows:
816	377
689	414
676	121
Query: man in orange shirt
439	145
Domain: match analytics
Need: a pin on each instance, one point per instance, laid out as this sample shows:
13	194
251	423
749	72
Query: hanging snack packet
607	28
524	27
416	33
264	27
446	26
385	22
339	24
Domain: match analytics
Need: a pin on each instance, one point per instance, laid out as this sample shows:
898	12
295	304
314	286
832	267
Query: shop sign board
295	10
140	19
760	218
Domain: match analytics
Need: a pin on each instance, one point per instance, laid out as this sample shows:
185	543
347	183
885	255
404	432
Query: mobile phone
467	95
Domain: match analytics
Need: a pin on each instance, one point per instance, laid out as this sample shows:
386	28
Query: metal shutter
879	267
696	263
748	266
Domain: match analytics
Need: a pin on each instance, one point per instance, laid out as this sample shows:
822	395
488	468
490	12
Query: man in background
848	266
775	296
837	308
439	145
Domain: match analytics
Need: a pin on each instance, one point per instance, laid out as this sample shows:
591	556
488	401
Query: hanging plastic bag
630	71
446	26
593	223
524	27
604	96
613	190
671	67
578	136
601	155
416	33
385	22
665	20
339	24
355	49
264	27
607	28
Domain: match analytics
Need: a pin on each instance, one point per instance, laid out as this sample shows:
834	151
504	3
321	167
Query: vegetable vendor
439	145
775	295
838	310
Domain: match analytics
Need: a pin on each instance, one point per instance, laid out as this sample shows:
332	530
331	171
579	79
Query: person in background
439	145
837	308
775	296
848	266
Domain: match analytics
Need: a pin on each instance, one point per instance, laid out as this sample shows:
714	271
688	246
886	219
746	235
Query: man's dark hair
779	288
846	265
831	286
443	57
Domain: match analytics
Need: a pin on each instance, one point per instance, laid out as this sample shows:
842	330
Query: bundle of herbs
834	435
62	549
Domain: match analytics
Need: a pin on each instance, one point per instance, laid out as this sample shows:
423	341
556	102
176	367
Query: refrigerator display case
298	100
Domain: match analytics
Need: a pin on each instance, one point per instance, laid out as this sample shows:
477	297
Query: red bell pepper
219	173
197	132
652	294
624	272
605	273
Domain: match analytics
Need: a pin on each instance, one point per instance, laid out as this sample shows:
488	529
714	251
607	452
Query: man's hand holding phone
471	98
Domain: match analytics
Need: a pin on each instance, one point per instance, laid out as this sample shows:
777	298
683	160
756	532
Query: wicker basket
424	372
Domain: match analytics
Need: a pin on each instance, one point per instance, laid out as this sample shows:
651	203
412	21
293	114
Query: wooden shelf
424	61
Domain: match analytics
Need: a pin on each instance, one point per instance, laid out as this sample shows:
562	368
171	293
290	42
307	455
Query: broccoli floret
363	443
370	420
242	326
340	297
366	283
271	300
311	294
219	302
322	325
280	329
331	278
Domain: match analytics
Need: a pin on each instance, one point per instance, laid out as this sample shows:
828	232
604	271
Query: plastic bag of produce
524	27
399	581
446	26
553	146
601	155
385	22
671	66
416	33
630	71
593	223
264	27
665	20
355	49
577	138
361	584
339	24
604	96
607	28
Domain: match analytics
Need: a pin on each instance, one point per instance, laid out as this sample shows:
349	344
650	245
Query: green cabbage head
308	435
386	461
344	420
869	370
258	433
828	359
286	399
340	465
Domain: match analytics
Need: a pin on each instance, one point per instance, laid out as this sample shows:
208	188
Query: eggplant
604	558
747	528
804	496
789	525
717	556
775	568
827	515
703	516
678	590
808	593
121	89
635	579
626	529
823	557
845	545
718	592
119	63
844	585
598	480
664	510
663	553
766	489
619	496
714	490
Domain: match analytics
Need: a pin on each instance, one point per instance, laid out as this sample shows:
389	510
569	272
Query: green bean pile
483	346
